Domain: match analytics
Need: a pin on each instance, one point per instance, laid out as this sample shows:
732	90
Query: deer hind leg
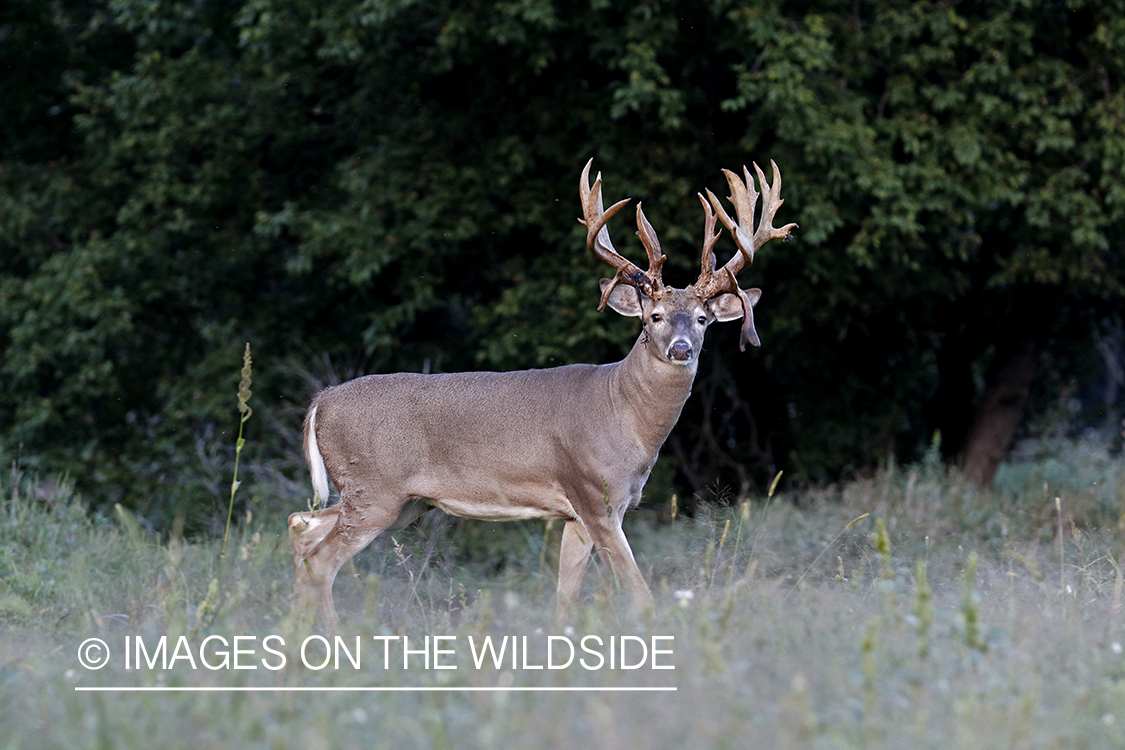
322	543
306	531
574	553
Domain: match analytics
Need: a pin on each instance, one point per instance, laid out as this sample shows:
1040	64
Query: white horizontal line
165	689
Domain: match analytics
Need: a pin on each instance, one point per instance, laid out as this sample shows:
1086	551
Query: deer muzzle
680	351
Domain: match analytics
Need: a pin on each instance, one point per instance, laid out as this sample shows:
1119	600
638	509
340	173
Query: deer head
676	319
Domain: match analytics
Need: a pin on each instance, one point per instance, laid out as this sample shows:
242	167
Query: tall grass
971	620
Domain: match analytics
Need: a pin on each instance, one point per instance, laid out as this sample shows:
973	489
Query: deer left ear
728	306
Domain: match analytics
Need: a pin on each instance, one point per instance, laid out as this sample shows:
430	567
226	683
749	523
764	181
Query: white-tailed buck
574	442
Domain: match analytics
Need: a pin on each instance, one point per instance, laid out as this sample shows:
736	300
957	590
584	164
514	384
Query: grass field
973	620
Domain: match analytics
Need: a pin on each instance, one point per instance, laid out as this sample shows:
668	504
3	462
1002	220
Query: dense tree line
392	184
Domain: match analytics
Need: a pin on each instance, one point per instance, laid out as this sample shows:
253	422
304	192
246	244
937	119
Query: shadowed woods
357	190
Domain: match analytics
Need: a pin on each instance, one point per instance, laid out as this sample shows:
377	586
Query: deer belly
502	509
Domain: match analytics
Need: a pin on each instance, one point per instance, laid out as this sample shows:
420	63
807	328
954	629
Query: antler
743	195
597	240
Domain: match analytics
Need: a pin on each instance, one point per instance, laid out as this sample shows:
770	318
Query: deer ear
729	307
624	299
726	307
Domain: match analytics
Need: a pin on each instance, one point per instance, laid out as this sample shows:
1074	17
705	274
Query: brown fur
575	442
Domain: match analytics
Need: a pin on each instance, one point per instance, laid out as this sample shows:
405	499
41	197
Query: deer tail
316	461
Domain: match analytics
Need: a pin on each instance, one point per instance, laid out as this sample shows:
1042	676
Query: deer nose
680	351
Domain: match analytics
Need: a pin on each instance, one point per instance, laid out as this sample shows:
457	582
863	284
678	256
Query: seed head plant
244	411
205	614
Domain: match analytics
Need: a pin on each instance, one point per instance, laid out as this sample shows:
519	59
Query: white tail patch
316	466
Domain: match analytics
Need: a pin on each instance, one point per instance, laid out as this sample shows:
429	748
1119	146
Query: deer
575	442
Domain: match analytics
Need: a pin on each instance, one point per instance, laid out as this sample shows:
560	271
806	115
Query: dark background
388	185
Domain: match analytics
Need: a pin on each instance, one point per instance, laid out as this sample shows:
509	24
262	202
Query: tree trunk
1000	411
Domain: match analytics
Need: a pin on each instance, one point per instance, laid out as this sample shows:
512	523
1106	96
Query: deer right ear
624	299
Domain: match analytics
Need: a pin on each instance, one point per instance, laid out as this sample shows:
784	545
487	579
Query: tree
968	206
397	180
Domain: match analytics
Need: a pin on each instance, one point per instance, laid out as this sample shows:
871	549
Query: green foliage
394	181
958	185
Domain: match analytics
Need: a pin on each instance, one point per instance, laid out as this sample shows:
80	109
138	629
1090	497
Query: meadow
902	610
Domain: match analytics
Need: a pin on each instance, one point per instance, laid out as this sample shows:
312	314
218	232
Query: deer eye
701	319
656	317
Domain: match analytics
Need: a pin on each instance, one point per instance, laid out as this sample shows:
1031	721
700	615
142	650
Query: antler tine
597	240
652	248
744	197
771	201
749	298
707	262
597	235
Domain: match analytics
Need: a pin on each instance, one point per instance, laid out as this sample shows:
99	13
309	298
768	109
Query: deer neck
650	393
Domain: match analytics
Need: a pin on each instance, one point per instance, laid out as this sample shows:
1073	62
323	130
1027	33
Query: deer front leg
613	548
616	552
574	554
